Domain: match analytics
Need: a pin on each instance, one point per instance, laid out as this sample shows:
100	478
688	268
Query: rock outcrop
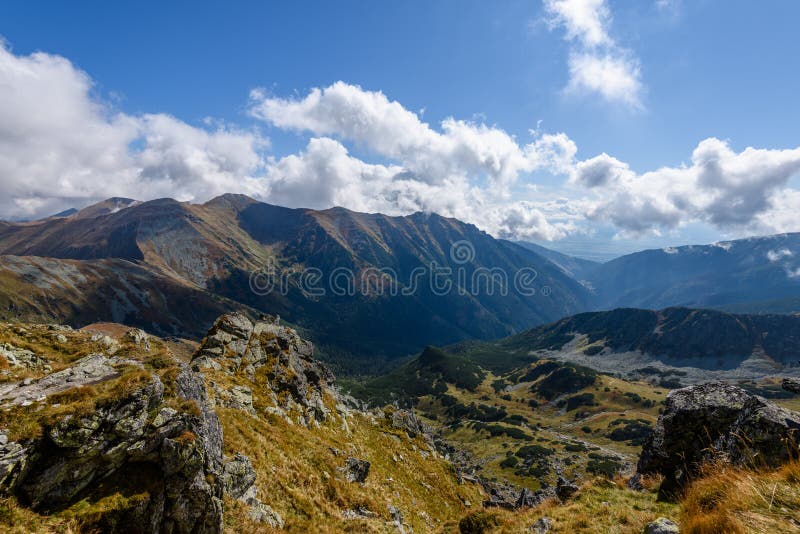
295	381
716	421
355	469
87	370
17	357
158	439
791	384
175	457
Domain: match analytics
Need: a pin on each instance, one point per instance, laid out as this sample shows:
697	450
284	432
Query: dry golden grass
299	477
728	499
16	519
601	506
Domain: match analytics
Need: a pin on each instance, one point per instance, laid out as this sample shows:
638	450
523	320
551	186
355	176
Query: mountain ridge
218	246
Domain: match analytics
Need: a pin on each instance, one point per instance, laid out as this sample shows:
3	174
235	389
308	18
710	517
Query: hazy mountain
216	246
748	270
577	268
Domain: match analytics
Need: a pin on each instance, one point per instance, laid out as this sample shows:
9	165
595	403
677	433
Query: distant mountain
653	342
790	305
577	268
753	270
217	246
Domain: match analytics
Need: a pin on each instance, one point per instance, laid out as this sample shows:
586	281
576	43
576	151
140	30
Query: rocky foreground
115	430
123	432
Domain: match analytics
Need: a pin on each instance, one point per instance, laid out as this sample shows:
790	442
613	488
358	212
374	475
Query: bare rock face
175	454
763	434
92	368
791	384
716	420
295	381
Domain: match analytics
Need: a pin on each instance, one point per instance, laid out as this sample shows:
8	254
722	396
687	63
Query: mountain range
170	267
164	249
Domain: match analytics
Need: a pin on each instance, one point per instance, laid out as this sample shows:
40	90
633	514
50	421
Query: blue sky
701	69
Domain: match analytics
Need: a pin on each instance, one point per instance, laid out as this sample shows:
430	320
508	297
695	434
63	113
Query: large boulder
764	434
715	420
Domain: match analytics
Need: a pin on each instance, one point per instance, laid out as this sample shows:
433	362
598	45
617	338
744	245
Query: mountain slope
577	268
84	292
747	270
390	306
671	345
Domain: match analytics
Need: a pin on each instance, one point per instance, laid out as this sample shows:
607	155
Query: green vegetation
427	374
635	432
581	399
567	378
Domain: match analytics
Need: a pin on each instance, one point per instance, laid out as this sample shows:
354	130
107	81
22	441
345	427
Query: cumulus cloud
60	146
597	64
614	77
461	169
584	20
370	119
721	187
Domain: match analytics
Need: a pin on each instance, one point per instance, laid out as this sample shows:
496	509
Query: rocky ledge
113	425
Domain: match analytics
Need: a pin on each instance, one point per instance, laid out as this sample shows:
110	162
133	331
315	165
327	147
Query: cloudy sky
592	126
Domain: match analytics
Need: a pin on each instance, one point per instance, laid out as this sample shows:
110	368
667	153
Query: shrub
510	461
634	432
582	399
565	379
533	451
477	523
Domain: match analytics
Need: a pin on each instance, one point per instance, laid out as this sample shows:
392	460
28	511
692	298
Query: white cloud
60	146
597	64
584	20
462	169
721	187
777	255
459	148
614	77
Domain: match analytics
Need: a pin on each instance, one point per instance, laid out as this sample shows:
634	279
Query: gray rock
139	338
238	476
542	526
297	382
529	499
261	513
715	419
356	470
17	357
395	514
184	451
791	384
92	368
662	525
408	421
763	434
